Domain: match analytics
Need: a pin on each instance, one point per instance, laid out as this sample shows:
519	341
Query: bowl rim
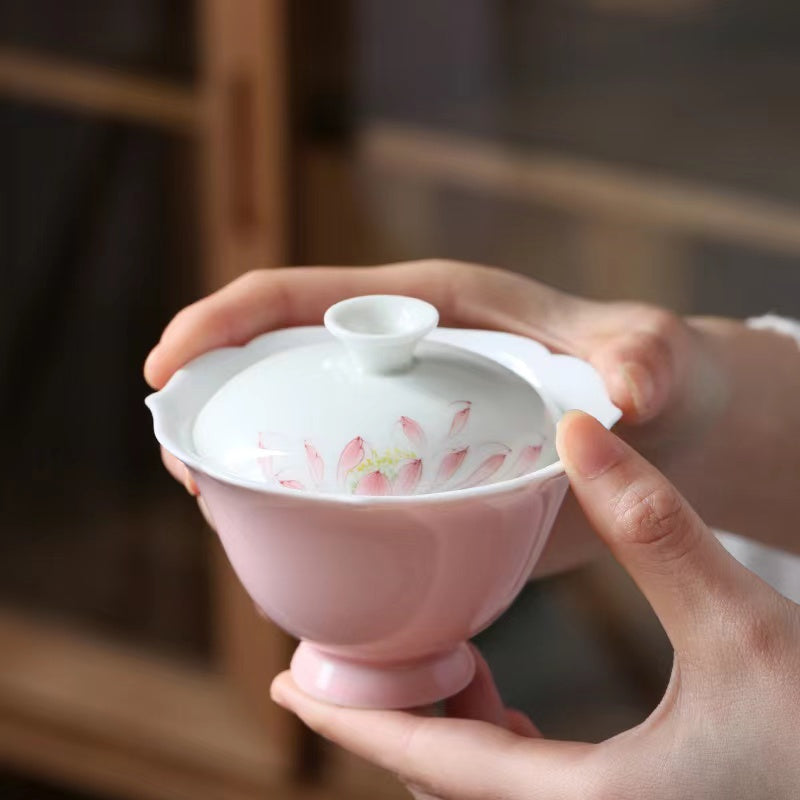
541	368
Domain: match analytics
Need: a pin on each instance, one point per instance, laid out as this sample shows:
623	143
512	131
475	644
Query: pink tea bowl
383	587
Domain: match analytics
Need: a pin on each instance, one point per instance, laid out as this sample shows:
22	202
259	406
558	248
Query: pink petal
351	457
408	477
316	466
450	464
374	483
413	432
293	485
485	471
527	459
460	419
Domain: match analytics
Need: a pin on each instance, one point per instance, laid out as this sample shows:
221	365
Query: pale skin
709	401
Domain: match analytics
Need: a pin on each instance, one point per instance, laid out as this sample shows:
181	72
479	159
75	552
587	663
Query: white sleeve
781	570
771	322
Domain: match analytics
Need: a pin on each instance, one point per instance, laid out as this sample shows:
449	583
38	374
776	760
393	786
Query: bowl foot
357	684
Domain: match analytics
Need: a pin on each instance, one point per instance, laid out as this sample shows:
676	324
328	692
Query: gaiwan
382	487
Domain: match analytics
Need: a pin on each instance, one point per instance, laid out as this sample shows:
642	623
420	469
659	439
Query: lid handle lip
381	332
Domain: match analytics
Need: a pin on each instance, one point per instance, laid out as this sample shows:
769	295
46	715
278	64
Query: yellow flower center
388	462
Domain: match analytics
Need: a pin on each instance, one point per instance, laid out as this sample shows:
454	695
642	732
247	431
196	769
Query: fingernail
190	485
585	445
641	386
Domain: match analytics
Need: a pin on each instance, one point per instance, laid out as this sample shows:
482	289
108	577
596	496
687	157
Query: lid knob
381	331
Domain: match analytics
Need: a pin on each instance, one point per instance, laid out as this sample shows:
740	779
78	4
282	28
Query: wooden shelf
97	90
583	187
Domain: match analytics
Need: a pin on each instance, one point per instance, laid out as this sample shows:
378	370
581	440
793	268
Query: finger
677	562
447	757
480	700
465	295
178	470
642	362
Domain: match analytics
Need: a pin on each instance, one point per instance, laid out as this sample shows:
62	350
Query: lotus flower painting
413	460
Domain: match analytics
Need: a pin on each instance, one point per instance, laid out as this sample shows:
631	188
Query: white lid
377	412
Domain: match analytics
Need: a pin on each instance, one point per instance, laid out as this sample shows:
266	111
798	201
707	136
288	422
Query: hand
727	725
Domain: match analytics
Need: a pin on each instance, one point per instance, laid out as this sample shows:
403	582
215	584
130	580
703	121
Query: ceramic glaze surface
308	420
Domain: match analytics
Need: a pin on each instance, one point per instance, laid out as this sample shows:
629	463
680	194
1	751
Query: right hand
726	726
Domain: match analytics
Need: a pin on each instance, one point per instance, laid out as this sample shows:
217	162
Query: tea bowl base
357	684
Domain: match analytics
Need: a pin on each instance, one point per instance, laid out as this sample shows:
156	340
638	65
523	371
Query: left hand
727	726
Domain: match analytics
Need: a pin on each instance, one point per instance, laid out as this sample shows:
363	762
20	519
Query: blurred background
150	152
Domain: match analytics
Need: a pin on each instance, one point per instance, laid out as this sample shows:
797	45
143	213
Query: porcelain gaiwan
382	487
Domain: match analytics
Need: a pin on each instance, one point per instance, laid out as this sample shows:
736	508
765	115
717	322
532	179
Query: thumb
685	573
